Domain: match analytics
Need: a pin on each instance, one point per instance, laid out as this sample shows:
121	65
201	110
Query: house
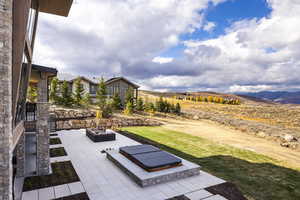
18	26
115	85
121	85
89	86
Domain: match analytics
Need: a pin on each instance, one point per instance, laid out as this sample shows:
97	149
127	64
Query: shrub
116	102
86	99
150	108
78	93
66	97
101	94
129	96
140	105
107	111
32	94
160	105
54	91
178	109
129	108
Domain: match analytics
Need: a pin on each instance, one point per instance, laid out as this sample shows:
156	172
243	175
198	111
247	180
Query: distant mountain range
278	97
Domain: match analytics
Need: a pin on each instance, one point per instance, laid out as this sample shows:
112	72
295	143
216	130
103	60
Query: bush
66	97
129	96
116	102
129	108
150	108
178	109
140	105
107	111
54	91
32	94
78	93
86	99
101	94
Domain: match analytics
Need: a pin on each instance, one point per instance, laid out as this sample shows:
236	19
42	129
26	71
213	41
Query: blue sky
223	15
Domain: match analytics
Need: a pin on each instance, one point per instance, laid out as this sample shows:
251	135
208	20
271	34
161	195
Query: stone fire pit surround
100	135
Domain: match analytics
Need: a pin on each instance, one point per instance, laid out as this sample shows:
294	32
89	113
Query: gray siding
119	87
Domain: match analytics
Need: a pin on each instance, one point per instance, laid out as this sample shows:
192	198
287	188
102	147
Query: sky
230	46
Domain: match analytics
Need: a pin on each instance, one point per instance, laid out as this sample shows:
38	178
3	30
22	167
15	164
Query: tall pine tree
79	92
66	97
101	94
54	90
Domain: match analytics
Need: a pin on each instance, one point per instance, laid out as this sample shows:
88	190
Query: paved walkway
101	179
54	192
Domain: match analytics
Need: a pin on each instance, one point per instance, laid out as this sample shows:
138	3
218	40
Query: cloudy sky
182	45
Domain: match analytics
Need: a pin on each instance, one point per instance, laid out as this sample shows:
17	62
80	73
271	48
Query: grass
57	152
259	177
63	172
54	141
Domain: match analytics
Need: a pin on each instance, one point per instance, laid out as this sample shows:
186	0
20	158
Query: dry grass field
251	110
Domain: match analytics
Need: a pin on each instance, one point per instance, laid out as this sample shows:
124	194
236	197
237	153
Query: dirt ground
224	135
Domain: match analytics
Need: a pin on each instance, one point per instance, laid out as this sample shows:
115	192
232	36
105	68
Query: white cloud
123	37
162	60
240	58
209	26
103	33
249	88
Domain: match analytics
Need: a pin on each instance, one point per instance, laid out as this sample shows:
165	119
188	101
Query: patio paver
61	191
197	195
76	188
30	195
103	180
46	193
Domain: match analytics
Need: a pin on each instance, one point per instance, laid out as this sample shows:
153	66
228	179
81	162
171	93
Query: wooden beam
36	18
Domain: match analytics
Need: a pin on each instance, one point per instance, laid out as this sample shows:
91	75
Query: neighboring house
18	27
89	86
115	85
121	85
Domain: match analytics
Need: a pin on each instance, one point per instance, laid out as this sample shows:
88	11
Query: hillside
279	97
255	116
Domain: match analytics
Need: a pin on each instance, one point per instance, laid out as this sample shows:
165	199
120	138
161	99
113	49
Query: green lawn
259	177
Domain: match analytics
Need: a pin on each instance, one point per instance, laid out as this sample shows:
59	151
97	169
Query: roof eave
56	7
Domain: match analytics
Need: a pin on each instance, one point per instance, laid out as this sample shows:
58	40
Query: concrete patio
101	179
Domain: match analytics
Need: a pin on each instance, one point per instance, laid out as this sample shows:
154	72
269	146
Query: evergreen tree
87	99
116	102
129	108
79	92
178	109
101	94
32	94
66	97
160	105
129	96
140	105
54	90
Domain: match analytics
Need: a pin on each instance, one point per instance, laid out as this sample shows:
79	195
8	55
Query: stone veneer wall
42	128
20	156
5	99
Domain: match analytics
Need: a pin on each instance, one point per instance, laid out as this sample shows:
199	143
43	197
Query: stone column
5	99
42	128
20	155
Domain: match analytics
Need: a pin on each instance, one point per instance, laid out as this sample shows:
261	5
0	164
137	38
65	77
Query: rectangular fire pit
144	178
100	135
